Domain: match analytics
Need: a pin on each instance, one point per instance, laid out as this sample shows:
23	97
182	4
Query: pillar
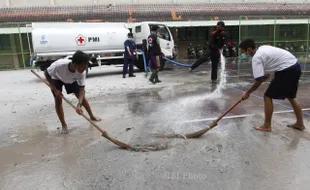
14	51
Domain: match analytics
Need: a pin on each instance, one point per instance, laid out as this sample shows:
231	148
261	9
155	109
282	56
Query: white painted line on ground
240	116
227	117
288	111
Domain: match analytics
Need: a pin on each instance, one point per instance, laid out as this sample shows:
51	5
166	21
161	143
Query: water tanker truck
103	42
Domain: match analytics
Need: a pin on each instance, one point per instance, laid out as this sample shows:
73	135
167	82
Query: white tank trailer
104	42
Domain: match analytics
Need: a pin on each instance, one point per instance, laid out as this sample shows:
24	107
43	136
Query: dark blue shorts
285	83
70	88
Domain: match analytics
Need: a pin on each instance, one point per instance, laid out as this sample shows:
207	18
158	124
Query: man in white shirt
285	83
72	75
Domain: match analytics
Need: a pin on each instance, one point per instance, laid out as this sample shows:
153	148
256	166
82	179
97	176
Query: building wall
20	3
23	3
3	3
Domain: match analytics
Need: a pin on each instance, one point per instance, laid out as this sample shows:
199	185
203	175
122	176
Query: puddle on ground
169	135
150	147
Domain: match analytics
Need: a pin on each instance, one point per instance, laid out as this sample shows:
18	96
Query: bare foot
93	118
297	126
264	128
64	130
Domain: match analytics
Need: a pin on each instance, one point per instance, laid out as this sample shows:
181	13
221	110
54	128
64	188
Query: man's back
59	70
273	58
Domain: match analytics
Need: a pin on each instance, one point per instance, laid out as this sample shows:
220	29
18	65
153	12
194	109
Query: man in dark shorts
285	83
154	54
215	44
72	75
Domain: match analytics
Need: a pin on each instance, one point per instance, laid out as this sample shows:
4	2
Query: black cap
130	34
154	28
220	23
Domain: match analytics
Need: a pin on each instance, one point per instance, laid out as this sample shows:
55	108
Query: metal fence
15	45
287	32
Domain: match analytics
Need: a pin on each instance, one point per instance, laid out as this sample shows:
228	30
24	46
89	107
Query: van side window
138	29
163	32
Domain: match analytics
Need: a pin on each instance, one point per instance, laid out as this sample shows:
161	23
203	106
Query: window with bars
202	33
193	33
5	43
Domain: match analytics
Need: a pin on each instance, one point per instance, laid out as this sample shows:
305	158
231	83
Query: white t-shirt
59	70
270	59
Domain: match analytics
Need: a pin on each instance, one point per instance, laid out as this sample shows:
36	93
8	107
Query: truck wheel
139	63
87	72
43	67
162	65
44	64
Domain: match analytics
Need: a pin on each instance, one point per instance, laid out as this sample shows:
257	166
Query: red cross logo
80	40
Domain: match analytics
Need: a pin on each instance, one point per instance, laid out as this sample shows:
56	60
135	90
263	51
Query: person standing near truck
154	54
215	44
130	49
72	75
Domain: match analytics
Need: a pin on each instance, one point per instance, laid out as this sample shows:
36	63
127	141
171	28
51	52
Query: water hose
146	67
176	63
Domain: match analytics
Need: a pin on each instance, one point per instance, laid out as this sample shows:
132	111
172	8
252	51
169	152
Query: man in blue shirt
130	48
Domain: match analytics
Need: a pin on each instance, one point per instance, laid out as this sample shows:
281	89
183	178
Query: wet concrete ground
33	155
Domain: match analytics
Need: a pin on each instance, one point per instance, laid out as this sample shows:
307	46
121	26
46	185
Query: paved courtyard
231	156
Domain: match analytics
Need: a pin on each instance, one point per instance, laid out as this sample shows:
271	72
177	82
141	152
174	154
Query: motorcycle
191	52
230	50
199	51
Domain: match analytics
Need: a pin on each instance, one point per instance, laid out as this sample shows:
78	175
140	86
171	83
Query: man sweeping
72	75
284	84
215	44
154	54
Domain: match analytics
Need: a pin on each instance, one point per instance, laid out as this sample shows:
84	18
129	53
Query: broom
104	133
197	133
212	125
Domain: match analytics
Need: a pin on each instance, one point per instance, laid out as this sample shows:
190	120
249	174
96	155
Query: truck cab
142	30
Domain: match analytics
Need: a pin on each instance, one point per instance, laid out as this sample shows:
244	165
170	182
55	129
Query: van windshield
162	31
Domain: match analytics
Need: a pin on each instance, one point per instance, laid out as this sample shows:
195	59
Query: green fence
287	32
15	45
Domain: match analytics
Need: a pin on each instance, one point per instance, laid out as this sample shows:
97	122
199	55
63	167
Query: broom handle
103	133
99	129
232	107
